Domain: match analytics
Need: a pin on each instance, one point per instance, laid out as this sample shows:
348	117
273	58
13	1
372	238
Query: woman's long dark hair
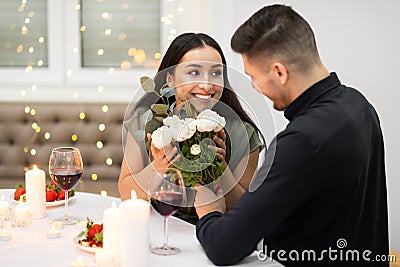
178	48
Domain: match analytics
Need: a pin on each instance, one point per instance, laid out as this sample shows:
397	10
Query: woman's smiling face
198	77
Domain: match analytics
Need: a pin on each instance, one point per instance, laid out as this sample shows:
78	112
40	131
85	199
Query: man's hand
207	201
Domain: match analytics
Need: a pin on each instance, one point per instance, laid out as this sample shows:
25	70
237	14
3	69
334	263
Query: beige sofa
23	144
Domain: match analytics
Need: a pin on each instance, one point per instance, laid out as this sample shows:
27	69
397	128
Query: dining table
30	246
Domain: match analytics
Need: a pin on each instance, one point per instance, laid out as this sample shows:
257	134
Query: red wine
166	203
65	179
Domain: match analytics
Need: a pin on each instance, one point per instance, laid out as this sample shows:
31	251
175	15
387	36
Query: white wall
360	40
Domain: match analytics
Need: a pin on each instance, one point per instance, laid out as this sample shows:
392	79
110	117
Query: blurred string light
99	144
102	127
94	176
47	135
103	193
138	56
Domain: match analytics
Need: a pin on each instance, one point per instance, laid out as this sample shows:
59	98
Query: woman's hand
220	146
163	158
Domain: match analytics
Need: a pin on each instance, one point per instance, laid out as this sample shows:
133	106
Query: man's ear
170	80
281	72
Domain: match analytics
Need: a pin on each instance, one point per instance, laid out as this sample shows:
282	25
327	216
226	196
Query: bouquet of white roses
193	135
198	163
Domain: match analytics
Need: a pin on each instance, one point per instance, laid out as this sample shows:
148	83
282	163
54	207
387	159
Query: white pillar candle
135	232
104	258
35	184
4	207
112	218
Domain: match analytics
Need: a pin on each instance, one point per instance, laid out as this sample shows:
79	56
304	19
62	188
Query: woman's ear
170	80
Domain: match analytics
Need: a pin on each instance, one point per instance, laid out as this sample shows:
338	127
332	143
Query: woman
195	66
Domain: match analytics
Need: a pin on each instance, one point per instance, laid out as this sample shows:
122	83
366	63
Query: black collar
302	102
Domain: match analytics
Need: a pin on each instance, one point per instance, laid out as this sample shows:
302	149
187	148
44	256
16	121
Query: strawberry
19	192
91	243
51	195
95	229
61	195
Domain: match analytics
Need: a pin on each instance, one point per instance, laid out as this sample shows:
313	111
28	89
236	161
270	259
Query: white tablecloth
30	246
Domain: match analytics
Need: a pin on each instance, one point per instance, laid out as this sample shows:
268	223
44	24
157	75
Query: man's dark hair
278	32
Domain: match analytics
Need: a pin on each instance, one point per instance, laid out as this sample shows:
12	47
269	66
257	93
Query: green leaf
160	109
152	125
146	117
160	119
148	84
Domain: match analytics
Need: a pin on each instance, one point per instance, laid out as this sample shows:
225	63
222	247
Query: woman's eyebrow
193	65
196	65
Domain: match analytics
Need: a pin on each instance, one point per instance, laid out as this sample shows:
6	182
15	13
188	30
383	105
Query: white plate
87	249
48	204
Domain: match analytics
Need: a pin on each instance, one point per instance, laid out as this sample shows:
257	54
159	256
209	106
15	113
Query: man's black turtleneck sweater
325	188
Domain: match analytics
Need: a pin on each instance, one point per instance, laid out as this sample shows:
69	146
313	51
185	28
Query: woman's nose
205	86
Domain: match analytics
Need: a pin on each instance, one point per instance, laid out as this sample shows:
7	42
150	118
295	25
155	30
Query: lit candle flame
133	194
35	167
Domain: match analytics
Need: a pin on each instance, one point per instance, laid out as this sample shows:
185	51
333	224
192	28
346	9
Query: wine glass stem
66	216
165	245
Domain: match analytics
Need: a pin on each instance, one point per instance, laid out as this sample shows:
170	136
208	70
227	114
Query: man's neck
301	82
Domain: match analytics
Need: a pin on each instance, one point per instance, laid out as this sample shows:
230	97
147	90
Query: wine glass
65	168
167	192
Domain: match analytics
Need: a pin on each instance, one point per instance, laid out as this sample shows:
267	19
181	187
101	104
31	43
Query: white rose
187	130
161	137
175	124
209	120
195	149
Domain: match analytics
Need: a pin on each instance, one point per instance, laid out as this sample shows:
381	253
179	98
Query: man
323	199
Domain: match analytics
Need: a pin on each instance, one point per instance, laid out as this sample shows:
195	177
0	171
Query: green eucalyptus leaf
152	125
146	117
160	119
160	109
148	84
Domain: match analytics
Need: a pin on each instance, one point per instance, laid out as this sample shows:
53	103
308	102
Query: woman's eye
194	72
216	73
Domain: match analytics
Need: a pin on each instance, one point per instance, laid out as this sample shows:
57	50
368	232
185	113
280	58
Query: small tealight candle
58	225
22	215
4	207
78	263
5	235
81	225
53	233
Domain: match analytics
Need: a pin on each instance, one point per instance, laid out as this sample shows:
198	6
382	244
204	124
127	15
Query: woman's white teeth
202	96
